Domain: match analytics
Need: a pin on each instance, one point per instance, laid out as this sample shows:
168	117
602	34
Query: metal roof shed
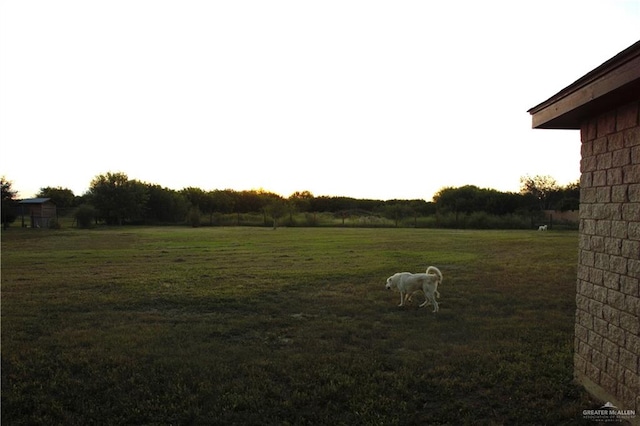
39	210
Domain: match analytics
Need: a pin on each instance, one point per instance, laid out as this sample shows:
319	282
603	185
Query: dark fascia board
612	84
35	201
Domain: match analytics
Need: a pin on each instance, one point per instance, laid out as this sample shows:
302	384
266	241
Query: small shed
39	212
604	105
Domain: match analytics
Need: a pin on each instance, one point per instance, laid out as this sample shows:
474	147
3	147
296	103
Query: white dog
542	228
408	283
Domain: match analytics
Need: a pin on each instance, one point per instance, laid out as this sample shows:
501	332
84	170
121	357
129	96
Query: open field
293	326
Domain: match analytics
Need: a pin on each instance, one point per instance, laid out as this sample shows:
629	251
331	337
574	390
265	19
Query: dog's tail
433	270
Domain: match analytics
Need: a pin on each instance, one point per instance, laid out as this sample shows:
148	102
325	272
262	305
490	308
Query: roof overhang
612	84
35	201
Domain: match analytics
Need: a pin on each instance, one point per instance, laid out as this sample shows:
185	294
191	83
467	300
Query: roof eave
613	83
39	200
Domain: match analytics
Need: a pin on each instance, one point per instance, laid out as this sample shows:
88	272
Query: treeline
114	199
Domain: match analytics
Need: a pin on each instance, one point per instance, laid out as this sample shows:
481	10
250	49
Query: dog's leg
410	297
436	308
427	299
407	298
431	300
427	295
402	297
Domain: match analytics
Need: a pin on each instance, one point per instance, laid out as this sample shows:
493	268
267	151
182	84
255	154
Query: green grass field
252	326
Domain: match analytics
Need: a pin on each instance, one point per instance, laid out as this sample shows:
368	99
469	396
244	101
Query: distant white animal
542	228
407	284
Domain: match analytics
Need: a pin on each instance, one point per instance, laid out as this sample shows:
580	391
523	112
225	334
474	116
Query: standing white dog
408	283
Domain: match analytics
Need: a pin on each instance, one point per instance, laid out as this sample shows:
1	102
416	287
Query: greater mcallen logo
608	413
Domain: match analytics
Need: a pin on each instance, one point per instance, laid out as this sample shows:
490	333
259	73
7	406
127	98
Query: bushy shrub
194	217
54	223
475	220
311	219
85	216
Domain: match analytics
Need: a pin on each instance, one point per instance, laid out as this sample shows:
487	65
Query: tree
398	211
253	200
276	208
62	197
465	199
539	188
117	198
196	197
9	204
222	202
299	201
194	216
85	214
422	207
336	205
501	203
570	197
165	205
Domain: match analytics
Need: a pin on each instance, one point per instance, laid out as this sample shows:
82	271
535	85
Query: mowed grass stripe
292	326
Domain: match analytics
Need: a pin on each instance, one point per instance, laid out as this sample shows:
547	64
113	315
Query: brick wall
607	340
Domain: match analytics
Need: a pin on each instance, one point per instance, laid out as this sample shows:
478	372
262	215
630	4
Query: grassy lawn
293	326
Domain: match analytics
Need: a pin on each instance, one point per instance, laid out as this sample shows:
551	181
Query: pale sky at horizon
365	99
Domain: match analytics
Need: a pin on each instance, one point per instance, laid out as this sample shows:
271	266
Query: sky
366	99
